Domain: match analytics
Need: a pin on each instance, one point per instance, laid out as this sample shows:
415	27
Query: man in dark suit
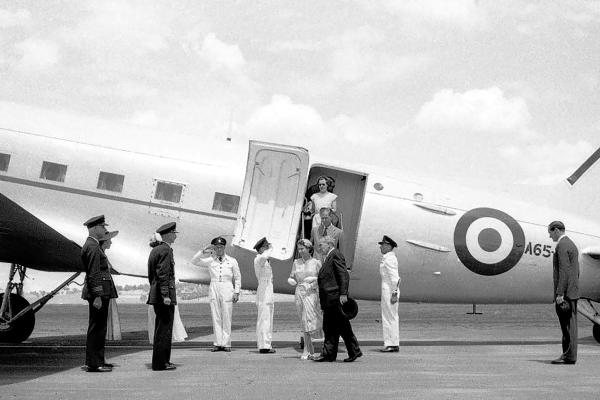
566	290
161	275
333	280
98	289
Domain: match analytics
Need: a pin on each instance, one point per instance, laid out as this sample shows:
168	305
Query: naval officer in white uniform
264	296
390	292
224	290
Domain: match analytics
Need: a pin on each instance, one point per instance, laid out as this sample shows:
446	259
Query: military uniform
265	302
225	280
98	283
390	280
161	275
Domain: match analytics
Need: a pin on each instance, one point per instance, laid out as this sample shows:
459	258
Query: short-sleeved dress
321	200
307	296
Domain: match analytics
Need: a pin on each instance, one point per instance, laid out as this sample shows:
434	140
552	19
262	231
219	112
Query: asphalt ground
445	353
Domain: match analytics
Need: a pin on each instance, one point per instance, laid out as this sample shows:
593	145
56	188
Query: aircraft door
272	198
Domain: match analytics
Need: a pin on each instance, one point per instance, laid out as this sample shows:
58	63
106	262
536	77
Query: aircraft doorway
350	189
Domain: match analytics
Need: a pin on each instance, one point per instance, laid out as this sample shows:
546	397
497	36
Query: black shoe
390	349
354	357
561	360
108	365
226	349
322	358
217	348
99	369
169	367
266	351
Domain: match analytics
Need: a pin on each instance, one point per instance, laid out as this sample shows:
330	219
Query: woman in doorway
322	199
304	277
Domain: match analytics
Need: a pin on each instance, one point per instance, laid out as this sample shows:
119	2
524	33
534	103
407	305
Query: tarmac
445	353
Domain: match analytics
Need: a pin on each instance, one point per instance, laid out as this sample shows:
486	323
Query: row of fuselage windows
164	191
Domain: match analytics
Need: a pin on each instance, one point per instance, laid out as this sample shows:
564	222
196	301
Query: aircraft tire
20	330
596	332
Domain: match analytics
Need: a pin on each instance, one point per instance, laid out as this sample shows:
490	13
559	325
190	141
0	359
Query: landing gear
20	328
586	308
17	316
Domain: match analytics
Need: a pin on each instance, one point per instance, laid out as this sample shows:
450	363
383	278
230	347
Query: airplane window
53	172
112	182
4	161
226	202
168	192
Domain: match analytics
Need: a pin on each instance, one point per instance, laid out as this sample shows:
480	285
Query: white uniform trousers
389	316
264	321
221	306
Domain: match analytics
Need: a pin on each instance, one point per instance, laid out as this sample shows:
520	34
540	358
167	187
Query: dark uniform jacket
566	269
161	274
333	279
98	280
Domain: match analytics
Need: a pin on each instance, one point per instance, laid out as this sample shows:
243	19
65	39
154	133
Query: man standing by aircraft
162	296
223	271
326	228
98	289
566	290
264	296
390	291
333	280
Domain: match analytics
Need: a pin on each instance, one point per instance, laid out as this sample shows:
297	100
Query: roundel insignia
488	241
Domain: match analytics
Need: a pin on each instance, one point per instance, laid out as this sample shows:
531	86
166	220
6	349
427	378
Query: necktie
324	231
220	259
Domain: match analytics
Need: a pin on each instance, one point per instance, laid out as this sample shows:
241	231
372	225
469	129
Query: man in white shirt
223	293
264	296
390	291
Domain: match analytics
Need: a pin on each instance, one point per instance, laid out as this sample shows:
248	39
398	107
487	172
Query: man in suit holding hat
566	290
265	302
224	290
333	280
98	289
390	291
162	296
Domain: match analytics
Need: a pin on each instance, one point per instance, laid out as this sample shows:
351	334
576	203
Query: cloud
486	111
125	90
284	121
17	18
145	118
462	14
36	55
121	27
220	54
546	163
572	16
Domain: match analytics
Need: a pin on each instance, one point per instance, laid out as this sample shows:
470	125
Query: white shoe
305	356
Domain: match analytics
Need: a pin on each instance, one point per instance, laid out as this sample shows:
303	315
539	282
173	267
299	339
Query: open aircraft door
272	199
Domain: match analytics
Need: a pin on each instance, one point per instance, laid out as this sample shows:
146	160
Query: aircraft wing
26	240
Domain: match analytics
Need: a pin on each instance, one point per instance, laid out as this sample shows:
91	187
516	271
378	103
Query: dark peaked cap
94	221
261	243
167	228
388	240
218	241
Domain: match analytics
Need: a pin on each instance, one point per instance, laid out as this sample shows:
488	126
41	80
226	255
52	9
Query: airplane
456	245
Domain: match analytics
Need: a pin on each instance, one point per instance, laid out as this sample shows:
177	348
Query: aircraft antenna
584	167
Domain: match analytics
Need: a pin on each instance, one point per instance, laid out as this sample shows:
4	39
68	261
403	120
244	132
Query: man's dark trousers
96	334
335	324
163	334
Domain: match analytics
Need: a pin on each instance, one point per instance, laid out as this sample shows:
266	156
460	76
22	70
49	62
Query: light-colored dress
179	333
321	200
307	296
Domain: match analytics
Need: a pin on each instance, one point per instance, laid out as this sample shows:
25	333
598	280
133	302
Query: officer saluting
390	281
265	302
161	274
225	283
98	289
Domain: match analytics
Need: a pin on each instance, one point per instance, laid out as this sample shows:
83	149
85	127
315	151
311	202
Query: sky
477	91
